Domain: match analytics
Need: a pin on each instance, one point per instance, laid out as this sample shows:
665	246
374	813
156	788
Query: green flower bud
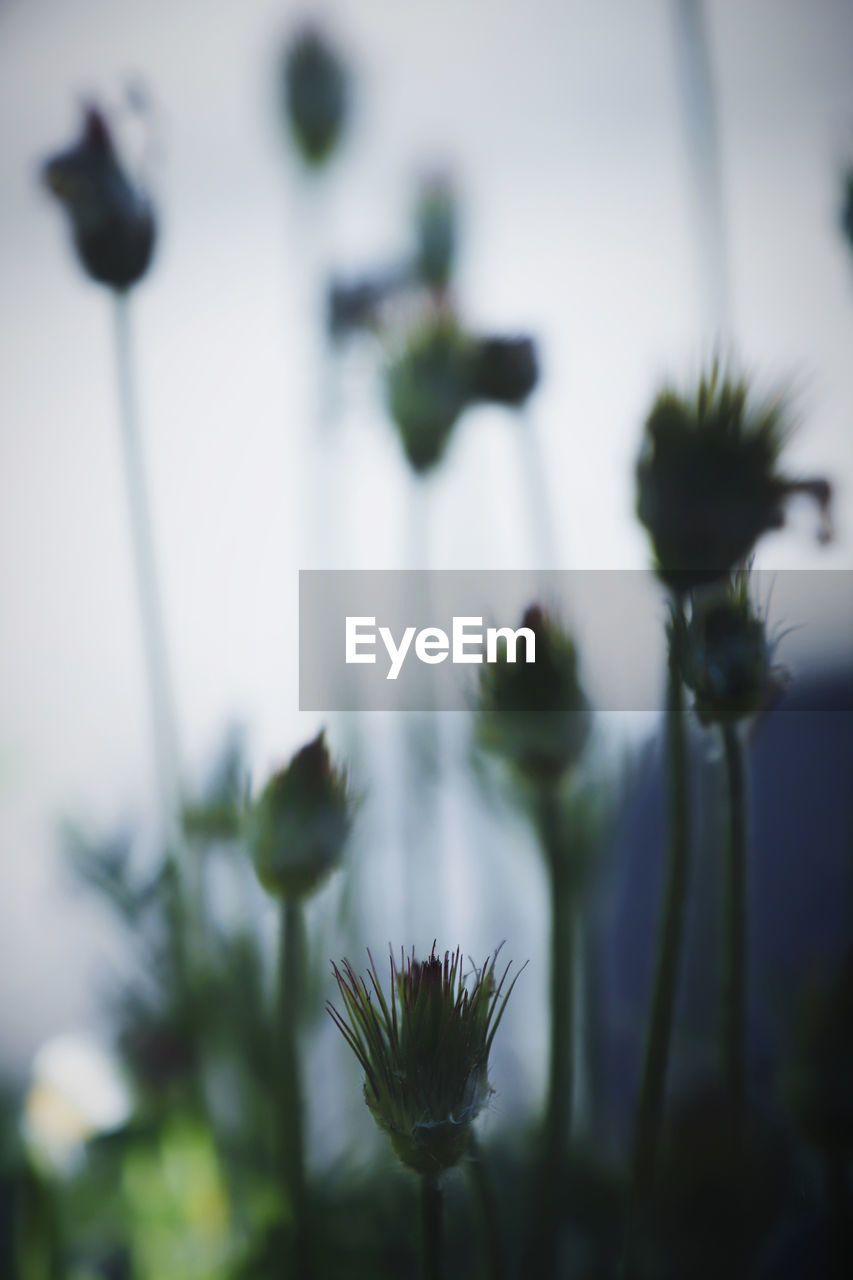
315	86
707	485
535	715
436	233
727	660
299	826
425	1056
428	388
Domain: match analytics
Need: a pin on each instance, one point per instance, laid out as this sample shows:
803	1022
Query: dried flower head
535	715
727	658
112	220
504	370
299	826
436	232
428	388
707	484
315	87
425	1055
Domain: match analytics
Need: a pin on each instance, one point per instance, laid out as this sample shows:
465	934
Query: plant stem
431	1228
291	1142
164	721
484	1192
734	1013
653	1082
558	1111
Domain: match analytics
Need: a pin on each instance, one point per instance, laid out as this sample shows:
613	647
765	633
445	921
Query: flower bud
535	716
707	485
436	233
726	656
300	824
428	388
315	84
112	220
504	370
425	1058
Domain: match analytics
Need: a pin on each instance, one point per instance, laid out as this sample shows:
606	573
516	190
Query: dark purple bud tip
112	220
504	370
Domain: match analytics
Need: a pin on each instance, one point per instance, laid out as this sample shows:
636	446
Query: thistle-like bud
727	659
436	232
534	715
425	1054
707	484
315	88
428	388
112	220
504	370
299	826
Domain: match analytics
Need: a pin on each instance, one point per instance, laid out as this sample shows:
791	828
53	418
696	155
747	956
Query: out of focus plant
428	388
846	218
535	717
708	484
425	1057
111	217
297	830
315	95
436	232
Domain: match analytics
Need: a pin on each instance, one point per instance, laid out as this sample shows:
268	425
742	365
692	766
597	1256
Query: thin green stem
542	1248
734	1012
163	716
653	1082
485	1196
431	1228
291	1139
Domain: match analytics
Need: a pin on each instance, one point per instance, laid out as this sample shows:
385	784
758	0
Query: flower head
727	658
425	1054
707	483
299	826
315	87
112	220
428	388
504	370
535	715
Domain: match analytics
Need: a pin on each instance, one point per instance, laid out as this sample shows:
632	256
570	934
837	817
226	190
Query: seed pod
727	660
427	389
504	370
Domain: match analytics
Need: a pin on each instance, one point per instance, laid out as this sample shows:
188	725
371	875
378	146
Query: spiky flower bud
299	826
727	659
425	1055
428	388
112	220
504	370
315	88
707	484
435	232
535	715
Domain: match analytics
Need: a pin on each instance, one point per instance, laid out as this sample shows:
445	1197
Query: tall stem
164	720
291	1140
431	1228
653	1083
734	1013
484	1192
